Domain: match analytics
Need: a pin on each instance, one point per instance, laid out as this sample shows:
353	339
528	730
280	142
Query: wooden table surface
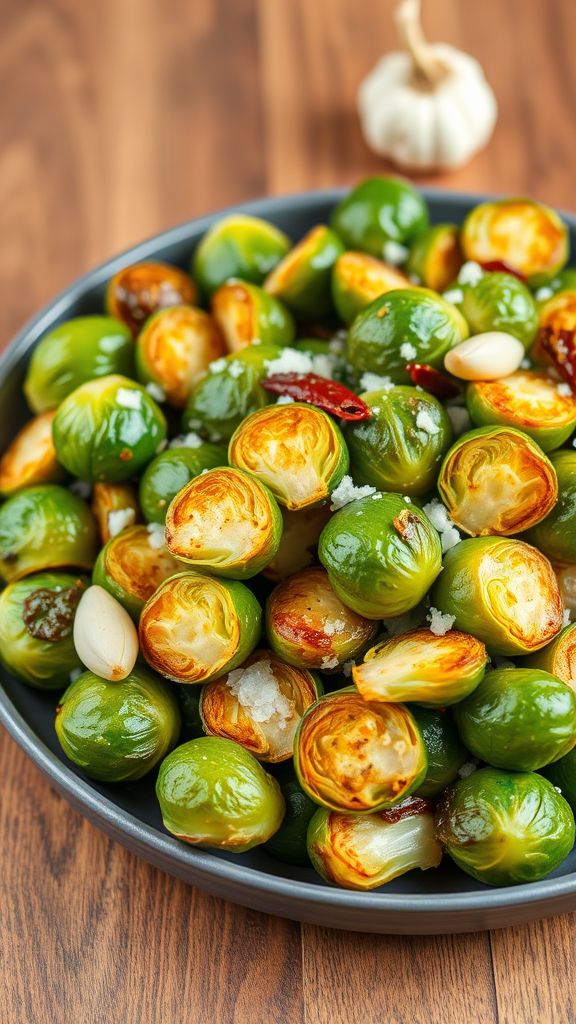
120	118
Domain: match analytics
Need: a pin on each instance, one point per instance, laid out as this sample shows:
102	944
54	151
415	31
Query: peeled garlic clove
487	356
105	637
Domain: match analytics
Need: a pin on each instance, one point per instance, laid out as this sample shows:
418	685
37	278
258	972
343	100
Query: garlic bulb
429	107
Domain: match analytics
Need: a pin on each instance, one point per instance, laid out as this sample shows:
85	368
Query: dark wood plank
533	967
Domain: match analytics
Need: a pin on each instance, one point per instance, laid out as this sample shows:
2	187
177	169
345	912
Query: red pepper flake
326	394
499	267
432	381
560	345
126	455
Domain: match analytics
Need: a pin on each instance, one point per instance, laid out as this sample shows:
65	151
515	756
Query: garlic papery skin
429	108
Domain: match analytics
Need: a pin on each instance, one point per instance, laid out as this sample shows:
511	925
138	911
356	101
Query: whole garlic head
429	107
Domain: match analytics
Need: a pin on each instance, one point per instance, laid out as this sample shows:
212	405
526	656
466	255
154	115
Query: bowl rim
166	852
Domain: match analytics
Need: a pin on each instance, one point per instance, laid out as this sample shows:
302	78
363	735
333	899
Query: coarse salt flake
566	617
425	422
155	391
191	440
284	400
395	253
454	295
236	369
543	293
440	622
564	389
347	668
119	519
347	492
374	382
129	398
470	273
290	360
257	691
218	365
155	535
438	515
335	626
329	662
408	351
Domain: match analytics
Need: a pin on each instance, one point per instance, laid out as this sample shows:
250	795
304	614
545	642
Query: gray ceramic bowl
419	903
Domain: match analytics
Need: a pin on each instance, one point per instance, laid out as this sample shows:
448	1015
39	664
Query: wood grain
119	119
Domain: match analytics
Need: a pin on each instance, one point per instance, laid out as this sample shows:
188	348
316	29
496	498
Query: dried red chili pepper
432	381
326	394
498	266
560	345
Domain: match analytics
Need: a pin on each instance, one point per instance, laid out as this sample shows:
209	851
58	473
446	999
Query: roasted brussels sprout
296	450
505	828
117	731
381	554
308	625
224	521
518	718
559	312
175	348
445	752
436	256
132	565
558	657
36	619
238	246
115	506
195	628
138	291
503	592
298	543
525	235
566	576
247	315
108	429
229	392
528	400
31	457
45	527
73	353
401	446
497	480
170	471
403	326
352	755
288	844
358	279
422	667
499	302
556	534
213	792
259	705
379	211
302	279
364	851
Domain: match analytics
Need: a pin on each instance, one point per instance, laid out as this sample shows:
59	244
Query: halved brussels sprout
358	279
108	429
352	755
45	527
499	302
445	751
238	246
436	256
229	392
401	446
299	541
213	792
195	628
259	705
175	348
73	353
296	450
288	844
364	851
556	315
381	554
115	506
380	210
36	620
131	566
497	480
518	718
302	279
525	235
527	400
31	457
503	592
170	471
224	521
422	667
117	732
404	326
247	315
505	828
308	625
556	534
558	657
138	291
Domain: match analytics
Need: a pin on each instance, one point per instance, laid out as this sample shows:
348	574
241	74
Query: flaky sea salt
236	369
257	691
284	400
347	668
156	538
394	252
347	492
291	360
129	398
470	273
191	440
334	626
440	623
218	365
155	391
374	382
438	515
454	295
564	389
566	617
119	519
425	422
329	662
543	293
408	351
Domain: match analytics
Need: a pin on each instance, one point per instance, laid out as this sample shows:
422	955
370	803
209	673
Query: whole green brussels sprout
132	565
248	315
498	302
36	620
436	256
30	458
171	470
74	353
45	527
174	350
238	246
358	279
214	793
518	718
505	828
556	534
527	400
527	236
139	290
117	731
400	447
378	211
108	429
288	844
382	555
445	752
302	279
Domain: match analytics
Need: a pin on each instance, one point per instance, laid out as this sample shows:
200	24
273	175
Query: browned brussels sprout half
436	256
525	235
174	350
558	657
132	565
530	401
247	315
358	279
138	291
302	280
31	457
